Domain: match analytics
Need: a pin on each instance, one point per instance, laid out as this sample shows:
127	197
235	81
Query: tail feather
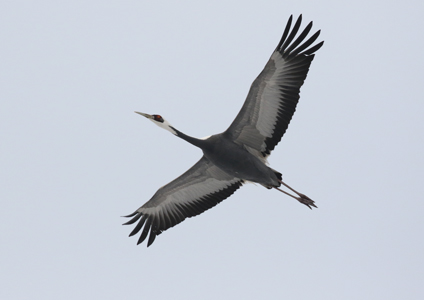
278	174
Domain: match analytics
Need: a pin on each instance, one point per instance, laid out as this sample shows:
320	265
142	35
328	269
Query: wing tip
289	47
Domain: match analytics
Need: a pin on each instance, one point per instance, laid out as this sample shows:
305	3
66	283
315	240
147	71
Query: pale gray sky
74	157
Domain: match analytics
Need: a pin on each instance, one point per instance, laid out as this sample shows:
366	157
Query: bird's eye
158	118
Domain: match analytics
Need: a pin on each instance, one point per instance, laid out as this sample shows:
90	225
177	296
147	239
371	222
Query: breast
238	162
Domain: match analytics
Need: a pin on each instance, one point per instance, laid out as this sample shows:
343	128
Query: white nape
165	125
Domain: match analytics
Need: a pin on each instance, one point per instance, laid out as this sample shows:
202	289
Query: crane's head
158	120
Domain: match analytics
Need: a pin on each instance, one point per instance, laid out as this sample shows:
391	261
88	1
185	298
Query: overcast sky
74	156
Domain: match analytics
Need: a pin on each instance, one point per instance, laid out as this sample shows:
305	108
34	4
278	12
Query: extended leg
302	198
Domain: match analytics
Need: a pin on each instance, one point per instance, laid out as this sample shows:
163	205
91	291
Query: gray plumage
238	154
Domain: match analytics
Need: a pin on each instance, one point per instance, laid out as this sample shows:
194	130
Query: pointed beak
144	115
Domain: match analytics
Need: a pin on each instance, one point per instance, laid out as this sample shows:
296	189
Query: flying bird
239	154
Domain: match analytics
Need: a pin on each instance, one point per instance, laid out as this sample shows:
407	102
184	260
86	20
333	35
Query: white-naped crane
239	154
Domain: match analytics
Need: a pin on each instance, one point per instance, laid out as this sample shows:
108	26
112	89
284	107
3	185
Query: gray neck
196	142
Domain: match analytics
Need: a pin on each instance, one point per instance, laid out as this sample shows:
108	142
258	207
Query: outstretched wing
203	186
274	94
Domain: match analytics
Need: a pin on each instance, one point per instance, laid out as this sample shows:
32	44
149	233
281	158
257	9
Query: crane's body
239	154
239	162
236	160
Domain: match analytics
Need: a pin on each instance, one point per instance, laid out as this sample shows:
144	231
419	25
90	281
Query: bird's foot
306	200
